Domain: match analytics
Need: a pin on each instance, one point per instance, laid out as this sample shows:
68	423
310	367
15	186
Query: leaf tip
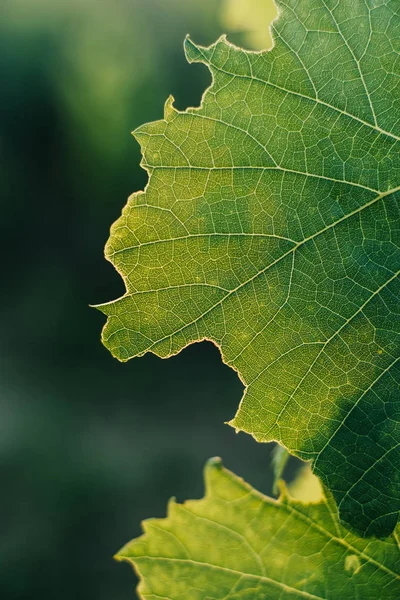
232	424
195	53
117	557
214	464
192	52
212	471
169	108
100	307
171	504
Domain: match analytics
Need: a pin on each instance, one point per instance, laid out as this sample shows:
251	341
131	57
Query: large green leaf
270	225
237	544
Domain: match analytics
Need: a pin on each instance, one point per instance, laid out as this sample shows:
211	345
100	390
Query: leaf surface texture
236	544
270	225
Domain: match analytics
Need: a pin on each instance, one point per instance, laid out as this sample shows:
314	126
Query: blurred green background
90	447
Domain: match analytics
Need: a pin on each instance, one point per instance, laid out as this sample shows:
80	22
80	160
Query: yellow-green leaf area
236	544
270	225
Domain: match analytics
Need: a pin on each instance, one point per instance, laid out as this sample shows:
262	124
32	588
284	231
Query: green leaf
236	544
270	225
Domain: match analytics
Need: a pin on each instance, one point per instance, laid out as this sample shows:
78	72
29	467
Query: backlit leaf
236	544
270	225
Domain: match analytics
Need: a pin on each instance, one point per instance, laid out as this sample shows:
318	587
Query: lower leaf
236	544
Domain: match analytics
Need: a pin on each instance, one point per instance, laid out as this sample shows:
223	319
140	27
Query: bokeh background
88	446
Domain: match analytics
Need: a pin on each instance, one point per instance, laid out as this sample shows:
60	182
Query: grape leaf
236	544
270	225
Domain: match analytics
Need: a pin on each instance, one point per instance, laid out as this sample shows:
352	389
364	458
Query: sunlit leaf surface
236	544
270	225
